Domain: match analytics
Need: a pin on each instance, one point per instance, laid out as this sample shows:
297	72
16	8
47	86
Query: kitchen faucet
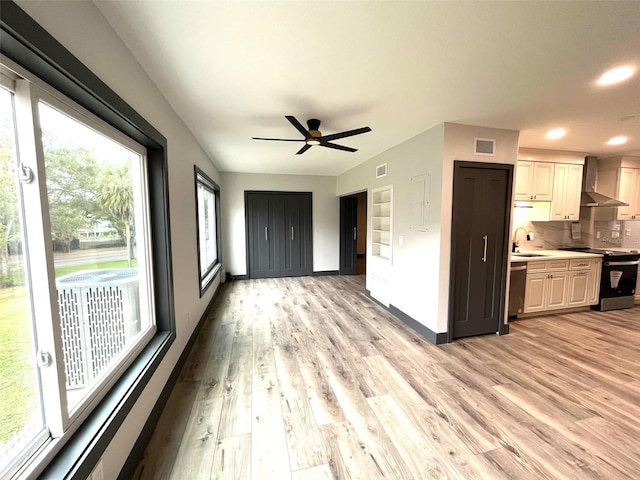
514	245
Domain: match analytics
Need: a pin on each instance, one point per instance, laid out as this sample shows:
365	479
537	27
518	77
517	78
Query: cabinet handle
266	233
484	255
292	233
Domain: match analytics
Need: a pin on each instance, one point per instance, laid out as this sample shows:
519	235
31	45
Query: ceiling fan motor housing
314	126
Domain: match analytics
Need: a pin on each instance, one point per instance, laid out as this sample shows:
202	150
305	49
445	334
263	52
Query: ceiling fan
313	136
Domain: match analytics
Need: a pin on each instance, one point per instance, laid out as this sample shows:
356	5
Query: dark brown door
479	250
279	235
348	235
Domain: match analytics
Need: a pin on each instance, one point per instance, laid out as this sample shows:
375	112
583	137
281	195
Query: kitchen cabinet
557	284
534	181
578	289
567	186
545	291
623	183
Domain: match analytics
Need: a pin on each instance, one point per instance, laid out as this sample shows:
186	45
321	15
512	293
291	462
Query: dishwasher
516	288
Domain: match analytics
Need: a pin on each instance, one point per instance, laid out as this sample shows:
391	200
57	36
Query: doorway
479	248
353	234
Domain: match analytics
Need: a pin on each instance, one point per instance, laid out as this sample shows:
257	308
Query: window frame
27	45
209	275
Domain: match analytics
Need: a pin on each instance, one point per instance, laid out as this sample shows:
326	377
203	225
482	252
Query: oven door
618	278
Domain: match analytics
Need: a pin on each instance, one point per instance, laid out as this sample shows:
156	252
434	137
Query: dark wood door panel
478	268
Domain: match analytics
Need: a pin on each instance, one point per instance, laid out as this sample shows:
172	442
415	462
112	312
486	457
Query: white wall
413	272
419	271
82	29
325	216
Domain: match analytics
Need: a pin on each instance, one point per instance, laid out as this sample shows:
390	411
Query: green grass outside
17	373
17	370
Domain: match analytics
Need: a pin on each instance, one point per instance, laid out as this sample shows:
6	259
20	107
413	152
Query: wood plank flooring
306	378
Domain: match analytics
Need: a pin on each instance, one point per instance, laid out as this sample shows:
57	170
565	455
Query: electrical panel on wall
420	202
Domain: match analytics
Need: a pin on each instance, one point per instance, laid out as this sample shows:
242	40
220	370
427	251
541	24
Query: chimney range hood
589	197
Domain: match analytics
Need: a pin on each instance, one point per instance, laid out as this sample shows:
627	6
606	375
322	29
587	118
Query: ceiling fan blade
337	147
348	133
303	149
298	125
278	139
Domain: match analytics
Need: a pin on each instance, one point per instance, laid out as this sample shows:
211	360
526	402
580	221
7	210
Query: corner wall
325	216
418	274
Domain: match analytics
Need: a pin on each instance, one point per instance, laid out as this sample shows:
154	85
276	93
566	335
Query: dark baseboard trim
503	329
324	273
433	337
239	277
137	452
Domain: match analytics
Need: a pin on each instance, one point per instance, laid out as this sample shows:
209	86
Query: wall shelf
382	222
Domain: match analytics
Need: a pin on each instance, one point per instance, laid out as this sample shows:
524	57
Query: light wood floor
306	378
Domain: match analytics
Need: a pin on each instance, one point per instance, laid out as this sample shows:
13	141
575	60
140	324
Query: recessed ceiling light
556	133
617	140
616	75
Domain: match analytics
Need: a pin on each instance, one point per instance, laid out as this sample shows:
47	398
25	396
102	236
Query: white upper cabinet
567	186
534	181
620	178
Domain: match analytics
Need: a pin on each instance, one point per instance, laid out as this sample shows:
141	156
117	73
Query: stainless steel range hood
589	197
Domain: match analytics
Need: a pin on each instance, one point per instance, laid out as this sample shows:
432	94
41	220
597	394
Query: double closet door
279	234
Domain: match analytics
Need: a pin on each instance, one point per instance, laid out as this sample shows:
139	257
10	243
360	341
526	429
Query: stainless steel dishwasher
517	288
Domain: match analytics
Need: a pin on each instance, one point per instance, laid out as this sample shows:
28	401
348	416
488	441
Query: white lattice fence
99	313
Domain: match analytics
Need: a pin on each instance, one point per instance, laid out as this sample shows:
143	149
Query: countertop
542	255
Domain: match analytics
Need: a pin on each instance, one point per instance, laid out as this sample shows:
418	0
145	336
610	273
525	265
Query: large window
208	218
76	280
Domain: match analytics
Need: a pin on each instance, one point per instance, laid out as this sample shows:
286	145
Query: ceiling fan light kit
313	136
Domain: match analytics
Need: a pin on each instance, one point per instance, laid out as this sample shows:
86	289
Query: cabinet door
634	204
594	287
534	293
542	186
560	175
557	290
567	186
524	180
626	184
572	192
579	291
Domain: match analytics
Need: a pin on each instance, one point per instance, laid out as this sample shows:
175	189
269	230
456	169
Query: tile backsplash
592	233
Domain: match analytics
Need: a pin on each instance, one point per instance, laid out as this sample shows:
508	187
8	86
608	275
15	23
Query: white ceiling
233	70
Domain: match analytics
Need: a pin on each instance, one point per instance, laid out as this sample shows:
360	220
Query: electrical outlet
615	234
627	232
597	234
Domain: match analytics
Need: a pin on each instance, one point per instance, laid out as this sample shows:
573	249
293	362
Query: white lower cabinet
579	289
556	284
545	291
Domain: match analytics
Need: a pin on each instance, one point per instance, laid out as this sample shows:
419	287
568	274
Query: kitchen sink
529	255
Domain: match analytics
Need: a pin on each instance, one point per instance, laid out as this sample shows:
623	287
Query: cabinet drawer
580	264
548	266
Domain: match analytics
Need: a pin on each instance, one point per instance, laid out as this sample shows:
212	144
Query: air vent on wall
381	170
485	146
